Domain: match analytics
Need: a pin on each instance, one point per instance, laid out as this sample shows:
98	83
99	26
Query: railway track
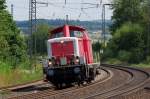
137	82
103	87
21	89
105	74
117	83
19	85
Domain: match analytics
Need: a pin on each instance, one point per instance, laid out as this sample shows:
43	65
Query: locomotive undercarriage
70	74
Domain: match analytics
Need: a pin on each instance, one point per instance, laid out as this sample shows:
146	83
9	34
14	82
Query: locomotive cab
69	55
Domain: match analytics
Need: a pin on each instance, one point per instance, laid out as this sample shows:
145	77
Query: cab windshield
57	35
78	34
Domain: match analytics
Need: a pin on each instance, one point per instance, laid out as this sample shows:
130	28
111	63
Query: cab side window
76	34
72	34
57	35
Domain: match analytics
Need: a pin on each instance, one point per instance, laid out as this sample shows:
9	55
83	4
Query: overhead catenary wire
86	5
78	10
81	9
56	4
69	7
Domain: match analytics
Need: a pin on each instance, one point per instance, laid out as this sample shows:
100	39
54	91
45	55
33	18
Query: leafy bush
12	43
4	67
127	44
108	53
136	56
129	36
148	59
113	61
124	56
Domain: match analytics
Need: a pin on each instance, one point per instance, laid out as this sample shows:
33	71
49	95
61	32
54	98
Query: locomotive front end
63	51
69	56
65	65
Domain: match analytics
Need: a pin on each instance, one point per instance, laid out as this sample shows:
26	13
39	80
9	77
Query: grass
142	65
145	64
113	61
19	75
22	74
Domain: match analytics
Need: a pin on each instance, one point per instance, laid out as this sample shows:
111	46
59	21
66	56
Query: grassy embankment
19	75
144	64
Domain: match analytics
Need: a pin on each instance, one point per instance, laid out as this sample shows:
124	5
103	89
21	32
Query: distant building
98	36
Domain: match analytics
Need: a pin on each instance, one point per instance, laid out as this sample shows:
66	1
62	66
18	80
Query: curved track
23	89
105	74
116	82
137	82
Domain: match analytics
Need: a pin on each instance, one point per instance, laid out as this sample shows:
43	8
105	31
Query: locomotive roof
71	28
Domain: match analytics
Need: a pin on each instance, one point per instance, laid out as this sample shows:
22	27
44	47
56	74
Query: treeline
89	25
40	37
12	44
131	31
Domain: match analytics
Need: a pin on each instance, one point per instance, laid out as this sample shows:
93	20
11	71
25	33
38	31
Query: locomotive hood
61	42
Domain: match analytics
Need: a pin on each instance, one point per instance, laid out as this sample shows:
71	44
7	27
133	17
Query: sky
57	9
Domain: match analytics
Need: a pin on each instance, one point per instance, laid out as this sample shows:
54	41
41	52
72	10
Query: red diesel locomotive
69	56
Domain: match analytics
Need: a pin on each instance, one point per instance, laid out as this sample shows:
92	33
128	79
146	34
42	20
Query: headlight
62	41
76	70
77	60
50	72
49	63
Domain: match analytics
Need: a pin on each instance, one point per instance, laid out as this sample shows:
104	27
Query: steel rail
54	92
112	93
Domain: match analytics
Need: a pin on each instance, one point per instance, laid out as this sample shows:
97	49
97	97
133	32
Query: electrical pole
67	19
32	29
12	10
148	39
148	32
33	26
104	23
65	2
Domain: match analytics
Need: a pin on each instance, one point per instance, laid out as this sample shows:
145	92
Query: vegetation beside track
9	77
144	64
130	43
15	65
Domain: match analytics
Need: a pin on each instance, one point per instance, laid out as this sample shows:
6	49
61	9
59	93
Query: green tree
96	47
146	25
13	47
130	30
41	37
125	11
127	44
2	4
4	48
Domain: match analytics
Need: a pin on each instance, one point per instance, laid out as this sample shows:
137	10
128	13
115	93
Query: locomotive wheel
89	81
98	71
79	80
59	86
68	84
